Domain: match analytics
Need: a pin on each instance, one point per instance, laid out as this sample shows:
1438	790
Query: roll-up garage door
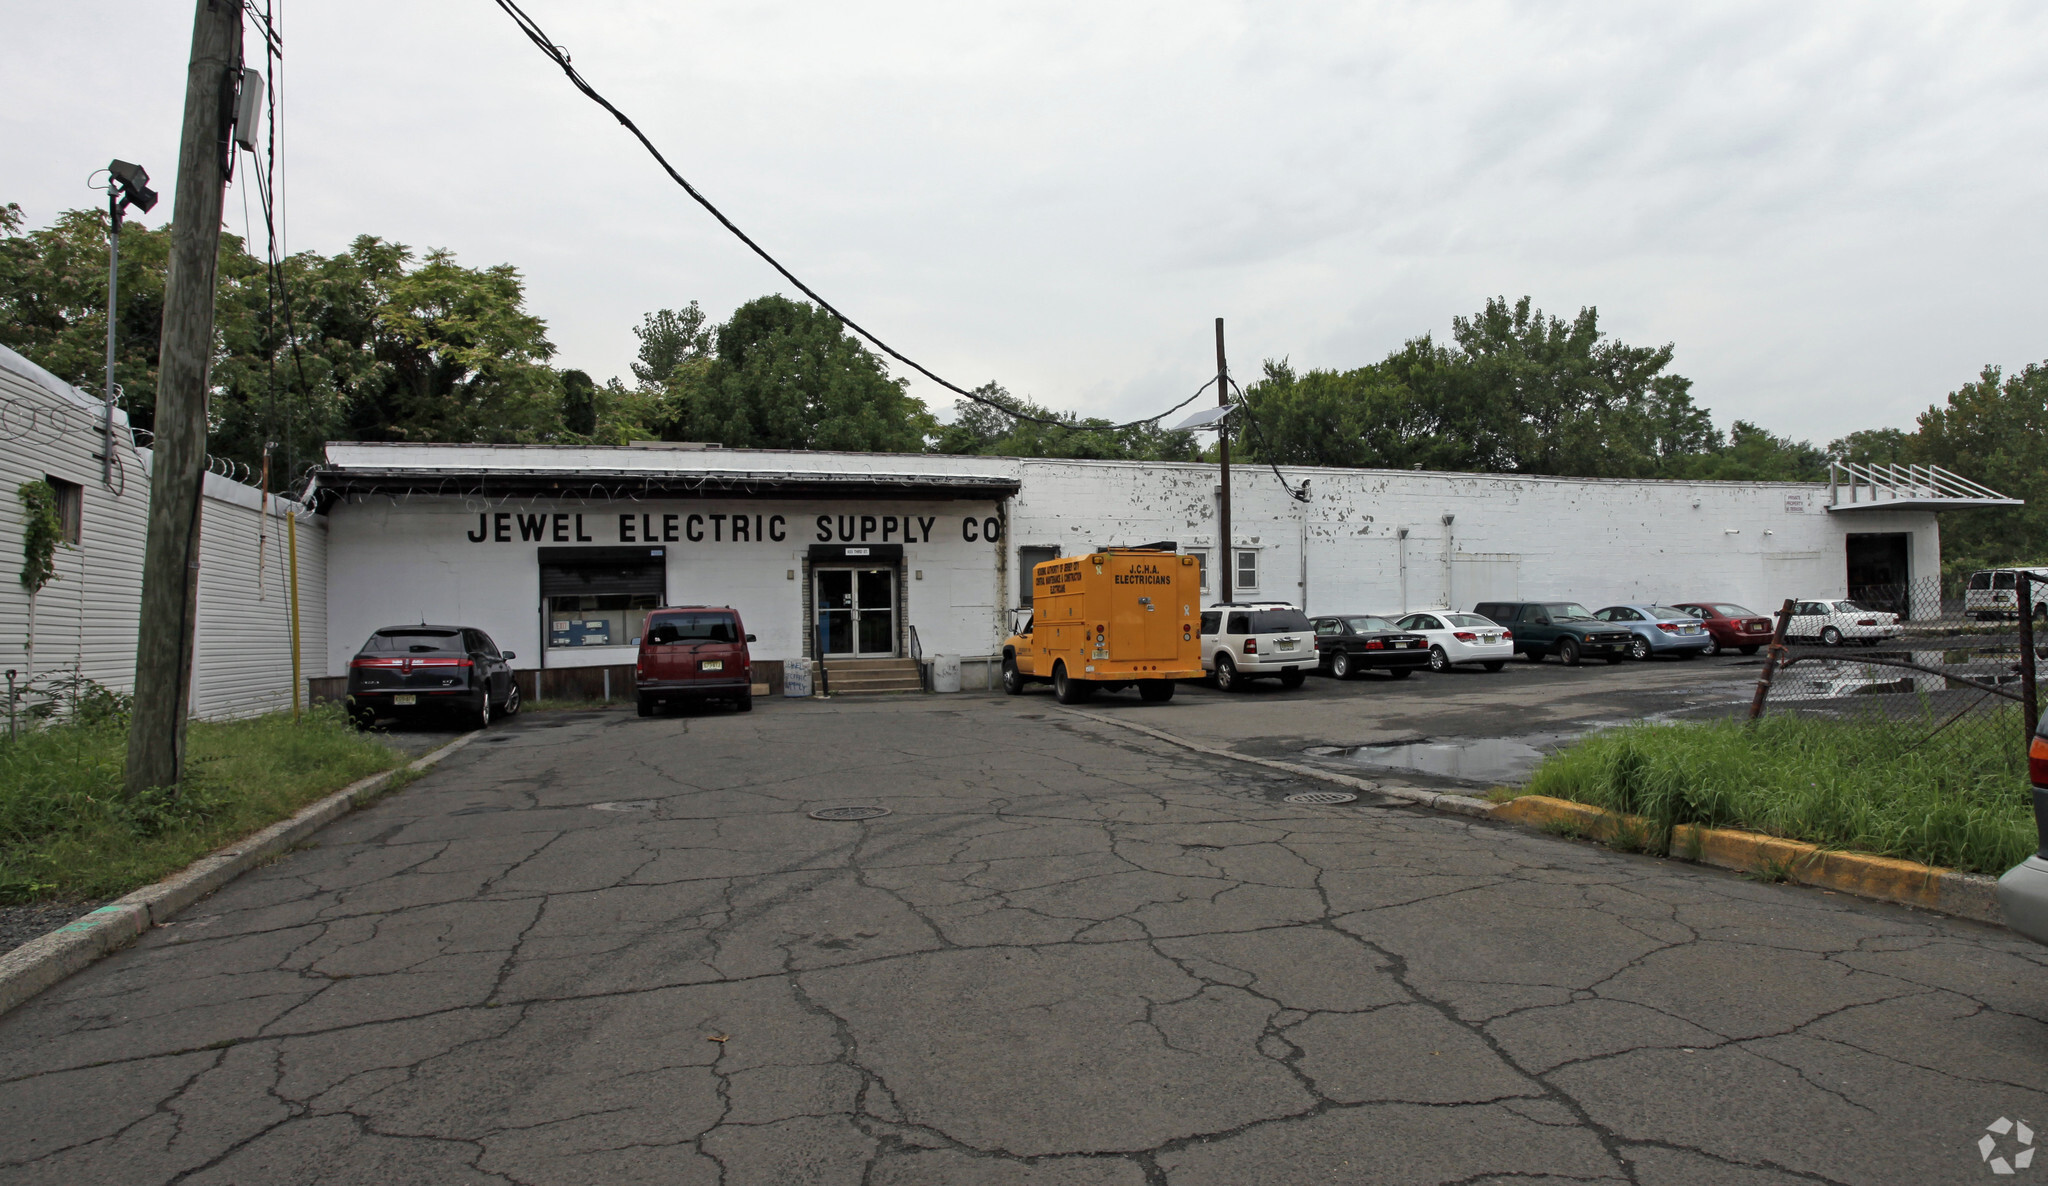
601	572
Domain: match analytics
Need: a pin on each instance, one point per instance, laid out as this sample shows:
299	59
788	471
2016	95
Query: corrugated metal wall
86	619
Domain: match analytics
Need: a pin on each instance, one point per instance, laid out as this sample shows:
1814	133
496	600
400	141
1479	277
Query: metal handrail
1907	481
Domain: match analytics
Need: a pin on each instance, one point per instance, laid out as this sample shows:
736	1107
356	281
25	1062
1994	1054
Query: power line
560	57
1244	401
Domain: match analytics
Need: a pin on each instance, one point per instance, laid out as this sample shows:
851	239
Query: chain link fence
1924	658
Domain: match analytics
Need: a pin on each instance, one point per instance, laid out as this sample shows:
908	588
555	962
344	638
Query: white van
1992	593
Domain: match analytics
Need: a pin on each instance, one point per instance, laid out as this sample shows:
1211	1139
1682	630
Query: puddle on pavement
1470	759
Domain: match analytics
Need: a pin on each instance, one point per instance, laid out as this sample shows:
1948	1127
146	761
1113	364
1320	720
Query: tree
1994	431
978	428
579	403
1517	391
786	375
669	338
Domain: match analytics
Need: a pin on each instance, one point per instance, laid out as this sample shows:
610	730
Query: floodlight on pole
127	185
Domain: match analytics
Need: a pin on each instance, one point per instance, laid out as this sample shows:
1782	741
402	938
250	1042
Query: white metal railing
1884	483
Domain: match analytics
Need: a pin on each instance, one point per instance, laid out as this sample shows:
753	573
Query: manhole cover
625	805
849	813
1322	798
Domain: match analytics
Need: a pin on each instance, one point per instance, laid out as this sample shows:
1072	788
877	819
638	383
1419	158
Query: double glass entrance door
856	612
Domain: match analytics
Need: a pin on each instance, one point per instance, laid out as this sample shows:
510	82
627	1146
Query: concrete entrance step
855	677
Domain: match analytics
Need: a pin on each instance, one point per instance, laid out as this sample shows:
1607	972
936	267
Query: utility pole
1229	556
114	207
170	565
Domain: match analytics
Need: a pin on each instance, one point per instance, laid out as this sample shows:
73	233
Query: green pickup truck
1563	628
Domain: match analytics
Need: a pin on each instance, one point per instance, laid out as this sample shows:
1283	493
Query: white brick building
554	549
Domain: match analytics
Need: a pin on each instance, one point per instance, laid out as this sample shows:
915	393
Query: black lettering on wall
846	525
775	523
924	525
501	527
867	527
580	537
967	528
992	529
888	527
483	529
717	528
533	527
824	529
668	529
647	532
561	535
626	529
741	532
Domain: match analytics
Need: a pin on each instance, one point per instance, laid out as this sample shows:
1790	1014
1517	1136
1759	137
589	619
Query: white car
1836	621
1244	640
1456	638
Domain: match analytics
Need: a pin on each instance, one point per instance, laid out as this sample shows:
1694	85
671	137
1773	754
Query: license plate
1286	646
1489	638
1689	630
405	700
711	665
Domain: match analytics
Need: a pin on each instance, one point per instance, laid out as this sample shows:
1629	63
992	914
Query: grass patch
66	830
1874	786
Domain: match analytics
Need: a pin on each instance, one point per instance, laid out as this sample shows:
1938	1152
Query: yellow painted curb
1887	879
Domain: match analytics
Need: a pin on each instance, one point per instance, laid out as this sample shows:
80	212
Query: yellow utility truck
1107	620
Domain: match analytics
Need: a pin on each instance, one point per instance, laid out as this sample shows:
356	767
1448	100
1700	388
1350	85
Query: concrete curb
42	962
1885	879
1457	804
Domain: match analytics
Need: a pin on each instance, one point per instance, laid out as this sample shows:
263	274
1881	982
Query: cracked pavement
592	948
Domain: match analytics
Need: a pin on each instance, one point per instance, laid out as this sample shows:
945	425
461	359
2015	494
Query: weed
67	830
1870	785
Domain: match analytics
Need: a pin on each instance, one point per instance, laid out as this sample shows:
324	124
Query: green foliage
1994	431
67	831
1874	785
388	347
786	375
1517	391
579	403
668	339
41	531
980	429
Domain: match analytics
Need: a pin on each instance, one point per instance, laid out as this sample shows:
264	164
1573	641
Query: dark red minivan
694	652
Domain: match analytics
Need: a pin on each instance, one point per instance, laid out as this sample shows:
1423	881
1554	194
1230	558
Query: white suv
1243	640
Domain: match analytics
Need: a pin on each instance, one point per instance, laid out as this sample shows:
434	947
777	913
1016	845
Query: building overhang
333	483
1923	504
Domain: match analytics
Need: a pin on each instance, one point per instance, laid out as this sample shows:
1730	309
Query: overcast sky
1834	211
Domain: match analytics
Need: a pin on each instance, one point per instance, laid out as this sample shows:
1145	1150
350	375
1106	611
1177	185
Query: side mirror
751	638
509	656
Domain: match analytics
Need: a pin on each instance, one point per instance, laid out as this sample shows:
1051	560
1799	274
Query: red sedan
1730	627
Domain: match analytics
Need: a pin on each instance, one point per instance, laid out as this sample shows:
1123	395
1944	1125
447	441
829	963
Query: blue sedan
1659	630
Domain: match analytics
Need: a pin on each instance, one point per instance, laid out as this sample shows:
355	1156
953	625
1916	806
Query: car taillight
1465	636
2037	761
1374	644
1505	634
441	663
1867	622
1668	627
1251	646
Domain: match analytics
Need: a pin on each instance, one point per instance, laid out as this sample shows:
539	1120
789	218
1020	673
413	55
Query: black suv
1350	643
1564	628
412	671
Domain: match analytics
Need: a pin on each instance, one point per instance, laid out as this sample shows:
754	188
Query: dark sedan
412	671
1347	644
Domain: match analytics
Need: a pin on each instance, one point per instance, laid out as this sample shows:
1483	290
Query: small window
1210	620
1980	580
1328	627
2001	580
1202	569
1240	624
71	510
1028	560
1247	570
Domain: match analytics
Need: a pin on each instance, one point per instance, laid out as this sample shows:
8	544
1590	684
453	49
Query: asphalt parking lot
593	948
